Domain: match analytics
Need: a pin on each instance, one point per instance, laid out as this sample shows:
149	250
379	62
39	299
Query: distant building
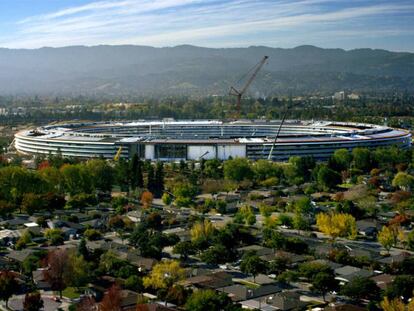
353	96
339	95
169	140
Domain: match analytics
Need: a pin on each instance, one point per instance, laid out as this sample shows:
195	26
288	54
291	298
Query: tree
362	159
327	178
101	173
30	264
300	222
403	180
164	274
151	179
341	159
166	198
111	300
76	179
32	302
136	176
238	169
59	270
146	199
209	300
25	239
8	285
324	282
392	304
252	264
202	230
387	237
361	288
159	179
6	208
184	249
402	287
81	200
336	225
92	234
410	240
79	269
245	215
83	249
32	203
55	236
122	174
218	254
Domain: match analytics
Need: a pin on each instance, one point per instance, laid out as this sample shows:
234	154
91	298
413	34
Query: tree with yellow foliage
337	225
387	237
202	230
392	305
164	274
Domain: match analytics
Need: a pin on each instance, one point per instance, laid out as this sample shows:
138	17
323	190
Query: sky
346	24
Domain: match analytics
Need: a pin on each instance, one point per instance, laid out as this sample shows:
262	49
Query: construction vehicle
239	93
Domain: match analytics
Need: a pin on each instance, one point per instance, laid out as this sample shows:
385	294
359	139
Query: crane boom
233	91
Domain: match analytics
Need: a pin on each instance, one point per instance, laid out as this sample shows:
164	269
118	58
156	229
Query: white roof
31	224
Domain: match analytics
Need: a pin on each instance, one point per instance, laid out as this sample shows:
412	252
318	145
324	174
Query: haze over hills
142	70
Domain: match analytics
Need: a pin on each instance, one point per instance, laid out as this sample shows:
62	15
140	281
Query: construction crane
118	154
270	156
239	93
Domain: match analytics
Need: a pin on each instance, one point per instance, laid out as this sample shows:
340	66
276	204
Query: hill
143	70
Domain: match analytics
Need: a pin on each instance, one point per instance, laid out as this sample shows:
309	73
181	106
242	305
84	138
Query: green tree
410	240
83	249
362	159
166	198
209	300
32	203
245	215
92	234
361	288
30	264
252	264
238	169
151	186
55	236
136	174
8	285
25	239
324	282
327	178
403	180
402	287
184	249
101	173
159	179
341	159
76	179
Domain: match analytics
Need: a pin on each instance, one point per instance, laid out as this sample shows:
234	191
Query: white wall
149	152
234	151
195	152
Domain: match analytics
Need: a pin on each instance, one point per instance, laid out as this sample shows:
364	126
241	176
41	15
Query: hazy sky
236	23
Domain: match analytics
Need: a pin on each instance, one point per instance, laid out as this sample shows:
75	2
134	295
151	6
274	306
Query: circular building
170	140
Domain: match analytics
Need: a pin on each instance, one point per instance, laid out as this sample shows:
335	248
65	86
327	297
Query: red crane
234	92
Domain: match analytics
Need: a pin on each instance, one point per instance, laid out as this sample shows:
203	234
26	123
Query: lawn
72	292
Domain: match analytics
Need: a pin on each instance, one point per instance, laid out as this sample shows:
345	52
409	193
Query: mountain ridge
143	70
